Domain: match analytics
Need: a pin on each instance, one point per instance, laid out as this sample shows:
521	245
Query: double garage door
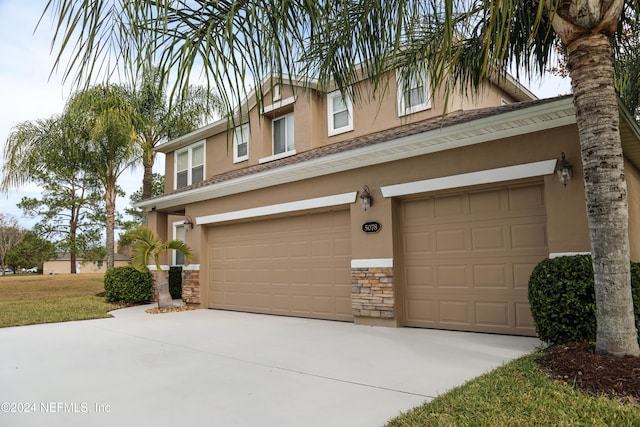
465	262
294	266
468	257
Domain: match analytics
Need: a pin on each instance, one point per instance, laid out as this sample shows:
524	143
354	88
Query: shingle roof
404	130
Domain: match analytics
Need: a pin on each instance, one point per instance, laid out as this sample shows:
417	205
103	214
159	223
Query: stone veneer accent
191	286
372	292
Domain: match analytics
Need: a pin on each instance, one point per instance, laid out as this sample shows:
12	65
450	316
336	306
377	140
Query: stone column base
191	286
372	293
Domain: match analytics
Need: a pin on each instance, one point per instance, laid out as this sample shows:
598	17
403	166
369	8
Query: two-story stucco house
460	210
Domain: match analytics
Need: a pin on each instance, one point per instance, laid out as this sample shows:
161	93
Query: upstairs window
189	165
339	113
283	139
413	92
241	143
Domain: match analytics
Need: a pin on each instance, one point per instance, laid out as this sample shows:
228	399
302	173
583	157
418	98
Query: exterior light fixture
564	170
188	222
365	198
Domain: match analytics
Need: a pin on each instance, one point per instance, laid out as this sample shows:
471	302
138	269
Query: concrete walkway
218	368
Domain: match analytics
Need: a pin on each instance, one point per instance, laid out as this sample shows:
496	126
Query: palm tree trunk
591	67
110	204
161	281
148	158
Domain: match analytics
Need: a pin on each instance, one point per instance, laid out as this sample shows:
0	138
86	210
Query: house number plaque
371	227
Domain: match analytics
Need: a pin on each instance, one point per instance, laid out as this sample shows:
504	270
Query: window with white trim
283	135
189	165
241	143
339	113
179	233
413	92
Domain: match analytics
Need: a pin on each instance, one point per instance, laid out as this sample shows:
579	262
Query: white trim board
298	205
372	263
488	176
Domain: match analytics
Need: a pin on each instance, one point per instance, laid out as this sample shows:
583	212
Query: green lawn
518	394
31	299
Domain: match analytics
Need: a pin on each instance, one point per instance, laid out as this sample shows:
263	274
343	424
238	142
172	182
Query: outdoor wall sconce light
188	222
564	170
365	198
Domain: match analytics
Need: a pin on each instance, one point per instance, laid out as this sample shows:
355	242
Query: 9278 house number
371	227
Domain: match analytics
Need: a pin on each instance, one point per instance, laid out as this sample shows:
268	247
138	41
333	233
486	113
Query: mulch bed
577	364
174	309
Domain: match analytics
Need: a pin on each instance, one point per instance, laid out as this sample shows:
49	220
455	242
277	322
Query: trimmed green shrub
127	285
562	299
175	282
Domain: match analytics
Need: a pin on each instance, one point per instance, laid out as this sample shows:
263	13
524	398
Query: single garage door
468	256
294	266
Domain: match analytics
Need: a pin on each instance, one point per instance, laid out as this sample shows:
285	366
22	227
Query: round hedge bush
128	285
562	299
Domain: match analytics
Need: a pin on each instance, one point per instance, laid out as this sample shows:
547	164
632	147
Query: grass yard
32	299
519	394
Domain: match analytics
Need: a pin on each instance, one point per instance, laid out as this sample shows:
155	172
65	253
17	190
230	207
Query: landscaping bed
578	365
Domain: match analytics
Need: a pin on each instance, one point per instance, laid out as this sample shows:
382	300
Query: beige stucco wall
566	215
310	114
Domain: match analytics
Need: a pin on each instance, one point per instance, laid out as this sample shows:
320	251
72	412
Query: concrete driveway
218	368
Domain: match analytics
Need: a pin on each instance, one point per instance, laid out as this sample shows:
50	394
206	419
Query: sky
28	90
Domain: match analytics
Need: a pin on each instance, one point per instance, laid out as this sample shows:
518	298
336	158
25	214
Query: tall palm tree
339	42
107	118
49	153
146	244
160	120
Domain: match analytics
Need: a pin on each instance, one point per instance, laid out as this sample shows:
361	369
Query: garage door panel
322	248
342	247
490	276
521	274
526	198
494	314
418	209
454	312
448	241
451	276
475	274
524	319
525	236
485	202
298	266
488	238
419	243
450	206
421	312
419	276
